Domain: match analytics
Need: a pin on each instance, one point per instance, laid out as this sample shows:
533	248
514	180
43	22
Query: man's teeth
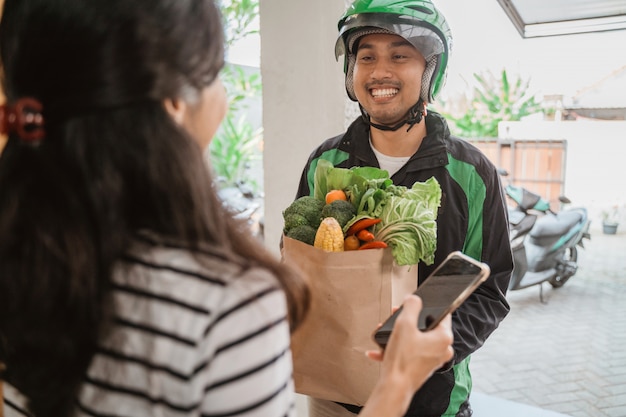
384	92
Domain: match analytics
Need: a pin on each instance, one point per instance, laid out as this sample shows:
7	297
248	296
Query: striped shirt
189	338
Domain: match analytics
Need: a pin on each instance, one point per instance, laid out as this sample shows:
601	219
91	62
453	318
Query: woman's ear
177	108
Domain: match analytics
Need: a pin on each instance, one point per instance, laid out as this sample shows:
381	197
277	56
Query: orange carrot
362	224
365	235
374	244
333	195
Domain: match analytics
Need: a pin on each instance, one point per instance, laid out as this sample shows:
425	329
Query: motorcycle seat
516	216
556	225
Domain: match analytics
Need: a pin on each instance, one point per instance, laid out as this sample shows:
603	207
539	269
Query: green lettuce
364	186
408	223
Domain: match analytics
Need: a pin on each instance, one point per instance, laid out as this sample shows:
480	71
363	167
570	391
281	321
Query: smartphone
441	293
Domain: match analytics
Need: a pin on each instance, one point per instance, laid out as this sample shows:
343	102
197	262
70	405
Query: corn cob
329	236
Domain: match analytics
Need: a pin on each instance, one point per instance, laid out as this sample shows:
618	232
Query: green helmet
417	21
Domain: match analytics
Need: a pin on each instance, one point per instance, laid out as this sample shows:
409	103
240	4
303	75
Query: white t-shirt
389	163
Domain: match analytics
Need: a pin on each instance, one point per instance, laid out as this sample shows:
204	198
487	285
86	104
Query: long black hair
112	162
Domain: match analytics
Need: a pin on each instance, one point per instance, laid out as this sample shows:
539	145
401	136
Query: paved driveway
569	354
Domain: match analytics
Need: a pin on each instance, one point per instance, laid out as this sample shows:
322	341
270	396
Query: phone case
442	292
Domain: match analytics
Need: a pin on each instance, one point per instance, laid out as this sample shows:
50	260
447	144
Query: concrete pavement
564	357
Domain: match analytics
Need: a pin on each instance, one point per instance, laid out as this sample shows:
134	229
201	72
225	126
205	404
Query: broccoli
293	220
341	210
304	233
308	207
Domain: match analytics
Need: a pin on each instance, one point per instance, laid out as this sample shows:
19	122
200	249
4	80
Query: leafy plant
238	15
235	147
237	143
611	215
240	86
491	101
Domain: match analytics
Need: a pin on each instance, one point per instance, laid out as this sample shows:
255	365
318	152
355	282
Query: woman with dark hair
125	288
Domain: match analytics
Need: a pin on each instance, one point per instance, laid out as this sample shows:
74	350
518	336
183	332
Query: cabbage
408	223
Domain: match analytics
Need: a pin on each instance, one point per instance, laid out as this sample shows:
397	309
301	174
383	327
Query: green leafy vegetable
408	223
408	215
354	181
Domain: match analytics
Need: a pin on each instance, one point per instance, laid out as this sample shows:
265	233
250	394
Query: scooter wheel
566	268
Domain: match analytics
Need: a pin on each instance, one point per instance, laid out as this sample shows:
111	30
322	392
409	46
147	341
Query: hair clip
24	118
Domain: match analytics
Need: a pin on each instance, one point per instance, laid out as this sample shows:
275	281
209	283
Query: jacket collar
432	152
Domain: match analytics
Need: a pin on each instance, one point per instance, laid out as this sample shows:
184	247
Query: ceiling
540	18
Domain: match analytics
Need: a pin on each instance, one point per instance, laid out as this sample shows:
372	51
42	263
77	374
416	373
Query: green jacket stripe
475	190
462	387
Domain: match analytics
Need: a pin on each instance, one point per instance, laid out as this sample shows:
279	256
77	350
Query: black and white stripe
189	338
14	403
192	339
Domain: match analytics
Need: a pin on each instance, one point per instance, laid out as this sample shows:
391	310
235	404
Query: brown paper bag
352	293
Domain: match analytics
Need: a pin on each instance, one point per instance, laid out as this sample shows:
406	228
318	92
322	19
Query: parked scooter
544	242
244	204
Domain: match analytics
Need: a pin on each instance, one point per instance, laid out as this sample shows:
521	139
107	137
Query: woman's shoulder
209	274
179	290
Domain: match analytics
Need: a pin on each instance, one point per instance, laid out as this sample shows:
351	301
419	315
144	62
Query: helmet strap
414	116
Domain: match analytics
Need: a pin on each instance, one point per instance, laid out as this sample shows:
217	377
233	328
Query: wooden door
537	165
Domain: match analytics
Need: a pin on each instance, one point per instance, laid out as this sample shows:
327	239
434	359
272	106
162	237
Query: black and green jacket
472	218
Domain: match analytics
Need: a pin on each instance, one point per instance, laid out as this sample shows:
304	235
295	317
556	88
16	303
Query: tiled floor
569	354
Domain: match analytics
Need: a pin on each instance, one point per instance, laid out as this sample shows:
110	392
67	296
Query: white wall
596	151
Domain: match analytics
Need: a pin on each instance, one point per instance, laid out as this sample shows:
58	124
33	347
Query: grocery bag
352	292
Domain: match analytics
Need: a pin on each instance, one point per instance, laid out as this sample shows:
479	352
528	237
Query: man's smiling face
387	77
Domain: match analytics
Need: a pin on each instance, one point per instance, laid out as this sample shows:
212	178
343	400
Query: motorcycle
244	204
544	242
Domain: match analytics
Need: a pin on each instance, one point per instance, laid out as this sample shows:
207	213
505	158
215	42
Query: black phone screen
442	288
442	292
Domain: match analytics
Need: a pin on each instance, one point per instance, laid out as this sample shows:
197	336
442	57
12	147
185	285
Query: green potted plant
610	220
491	100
